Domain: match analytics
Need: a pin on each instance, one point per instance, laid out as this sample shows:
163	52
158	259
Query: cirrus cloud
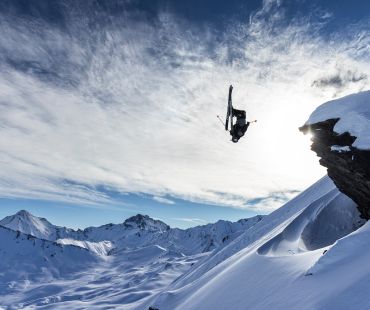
132	106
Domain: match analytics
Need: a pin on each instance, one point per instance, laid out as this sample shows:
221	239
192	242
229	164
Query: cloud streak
132	106
195	221
163	200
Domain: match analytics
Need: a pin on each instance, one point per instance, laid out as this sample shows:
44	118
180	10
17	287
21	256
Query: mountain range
140	255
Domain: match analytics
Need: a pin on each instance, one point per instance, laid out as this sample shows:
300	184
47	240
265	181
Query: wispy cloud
163	200
133	106
340	79
191	220
268	204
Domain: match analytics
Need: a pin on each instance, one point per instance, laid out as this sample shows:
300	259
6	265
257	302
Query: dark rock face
349	168
144	222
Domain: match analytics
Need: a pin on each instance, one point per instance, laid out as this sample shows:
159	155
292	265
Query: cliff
341	142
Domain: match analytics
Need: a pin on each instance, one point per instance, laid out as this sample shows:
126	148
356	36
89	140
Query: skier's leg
239	113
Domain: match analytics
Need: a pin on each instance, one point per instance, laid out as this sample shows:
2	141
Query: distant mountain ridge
136	231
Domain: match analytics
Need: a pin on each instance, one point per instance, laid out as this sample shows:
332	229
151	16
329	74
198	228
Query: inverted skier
241	125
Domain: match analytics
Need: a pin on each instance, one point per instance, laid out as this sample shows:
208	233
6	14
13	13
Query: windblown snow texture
274	265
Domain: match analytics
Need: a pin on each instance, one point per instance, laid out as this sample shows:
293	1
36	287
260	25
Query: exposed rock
144	222
347	166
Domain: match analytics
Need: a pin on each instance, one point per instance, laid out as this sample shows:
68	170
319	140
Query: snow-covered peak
23	213
144	222
26	216
29	224
353	112
39	227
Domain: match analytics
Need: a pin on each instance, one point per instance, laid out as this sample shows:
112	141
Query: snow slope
36	273
39	254
99	248
354	114
323	222
276	264
26	260
269	225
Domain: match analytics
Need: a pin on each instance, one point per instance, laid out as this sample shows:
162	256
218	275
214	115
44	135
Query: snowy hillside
282	261
26	260
39	254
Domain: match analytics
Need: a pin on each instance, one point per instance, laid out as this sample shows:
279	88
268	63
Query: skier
240	127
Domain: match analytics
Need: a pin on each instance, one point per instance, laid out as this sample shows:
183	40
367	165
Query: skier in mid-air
241	125
238	129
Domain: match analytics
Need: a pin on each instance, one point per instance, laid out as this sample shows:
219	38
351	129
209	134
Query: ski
229	113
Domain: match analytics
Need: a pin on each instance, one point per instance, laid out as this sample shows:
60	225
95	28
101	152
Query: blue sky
183	214
108	108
